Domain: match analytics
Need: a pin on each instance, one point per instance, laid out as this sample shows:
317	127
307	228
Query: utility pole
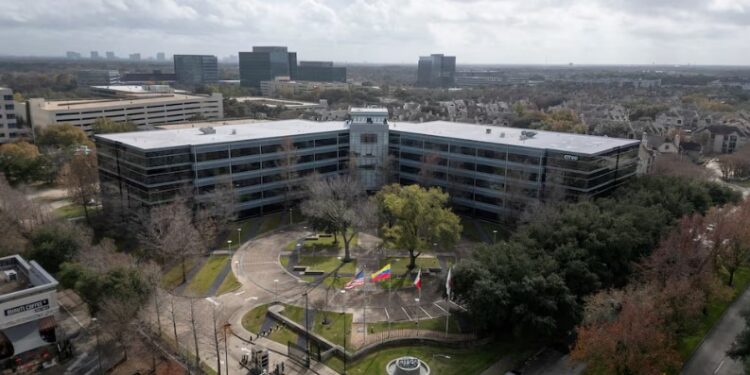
307	332
226	352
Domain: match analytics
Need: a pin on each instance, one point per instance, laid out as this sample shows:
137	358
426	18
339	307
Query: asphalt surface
710	357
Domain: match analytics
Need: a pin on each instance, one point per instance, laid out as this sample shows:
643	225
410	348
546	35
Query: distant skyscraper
436	70
321	71
94	55
72	55
161	56
97	77
196	69
110	55
266	63
135	56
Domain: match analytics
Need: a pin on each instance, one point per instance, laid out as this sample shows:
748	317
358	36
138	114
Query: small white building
28	301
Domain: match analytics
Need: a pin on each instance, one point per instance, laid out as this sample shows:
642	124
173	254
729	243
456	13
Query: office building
110	55
266	63
490	172
436	70
28	299
287	88
94	55
160	56
72	55
11	127
135	56
320	71
148	111
196	69
156	76
97	77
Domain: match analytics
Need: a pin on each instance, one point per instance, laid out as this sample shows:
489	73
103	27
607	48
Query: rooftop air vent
208	130
488	131
502	134
234	131
526	134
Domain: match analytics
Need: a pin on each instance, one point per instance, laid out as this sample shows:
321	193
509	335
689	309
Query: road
710	357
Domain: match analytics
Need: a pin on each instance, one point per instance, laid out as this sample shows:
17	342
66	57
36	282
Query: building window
368	138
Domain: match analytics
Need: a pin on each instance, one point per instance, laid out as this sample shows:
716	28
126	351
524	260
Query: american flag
358	280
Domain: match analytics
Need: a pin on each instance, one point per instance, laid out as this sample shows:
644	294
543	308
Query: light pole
98	350
226	352
229	245
276	288
417	309
290	217
239	237
494	236
343	318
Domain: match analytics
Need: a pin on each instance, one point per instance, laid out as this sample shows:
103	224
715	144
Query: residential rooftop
249	130
19	278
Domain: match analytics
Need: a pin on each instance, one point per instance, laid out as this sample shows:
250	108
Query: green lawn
333	332
72	211
173	278
284	260
229	284
461	361
435	324
322	243
327	264
716	307
253	321
270	222
205	277
399	264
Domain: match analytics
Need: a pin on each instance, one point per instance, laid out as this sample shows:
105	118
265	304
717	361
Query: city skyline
478	32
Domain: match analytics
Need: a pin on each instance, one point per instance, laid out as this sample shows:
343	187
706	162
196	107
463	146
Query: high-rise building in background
266	63
72	55
10	128
320	71
97	77
135	56
160	56
436	70
196	69
94	55
110	55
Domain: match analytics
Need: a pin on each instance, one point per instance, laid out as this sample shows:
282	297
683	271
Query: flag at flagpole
384	273
357	280
418	280
448	282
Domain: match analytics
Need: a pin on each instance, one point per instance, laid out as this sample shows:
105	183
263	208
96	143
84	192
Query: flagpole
419	298
364	313
447	300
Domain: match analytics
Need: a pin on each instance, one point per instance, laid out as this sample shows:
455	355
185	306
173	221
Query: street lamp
343	318
229	244
494	235
417	309
290	217
239	237
98	350
276	288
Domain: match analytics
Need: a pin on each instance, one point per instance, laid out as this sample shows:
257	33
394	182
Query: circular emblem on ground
407	366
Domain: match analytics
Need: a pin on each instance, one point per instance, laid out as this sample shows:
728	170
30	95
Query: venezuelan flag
384	273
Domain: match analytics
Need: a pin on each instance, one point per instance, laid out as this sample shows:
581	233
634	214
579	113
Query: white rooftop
373	110
576	143
156	139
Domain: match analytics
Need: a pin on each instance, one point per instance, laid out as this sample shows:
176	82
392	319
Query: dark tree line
534	283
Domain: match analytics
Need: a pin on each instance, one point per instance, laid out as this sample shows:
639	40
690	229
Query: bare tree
194	328
736	250
170	234
427	169
117	316
173	316
216	340
27	214
677	165
80	178
339	204
152	274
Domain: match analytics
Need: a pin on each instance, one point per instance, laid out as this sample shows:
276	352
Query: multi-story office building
160	56
436	70
320	71
154	110
10	128
283	87
266	63
28	299
196	69
110	55
156	76
490	172
135	56
94	55
97	77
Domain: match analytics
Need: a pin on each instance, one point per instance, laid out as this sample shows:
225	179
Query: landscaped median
211	278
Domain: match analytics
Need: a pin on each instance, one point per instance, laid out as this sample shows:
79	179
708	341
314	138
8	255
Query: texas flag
418	280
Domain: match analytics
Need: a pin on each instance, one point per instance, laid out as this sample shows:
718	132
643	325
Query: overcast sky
396	31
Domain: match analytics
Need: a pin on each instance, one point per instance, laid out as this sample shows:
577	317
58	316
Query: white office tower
368	142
